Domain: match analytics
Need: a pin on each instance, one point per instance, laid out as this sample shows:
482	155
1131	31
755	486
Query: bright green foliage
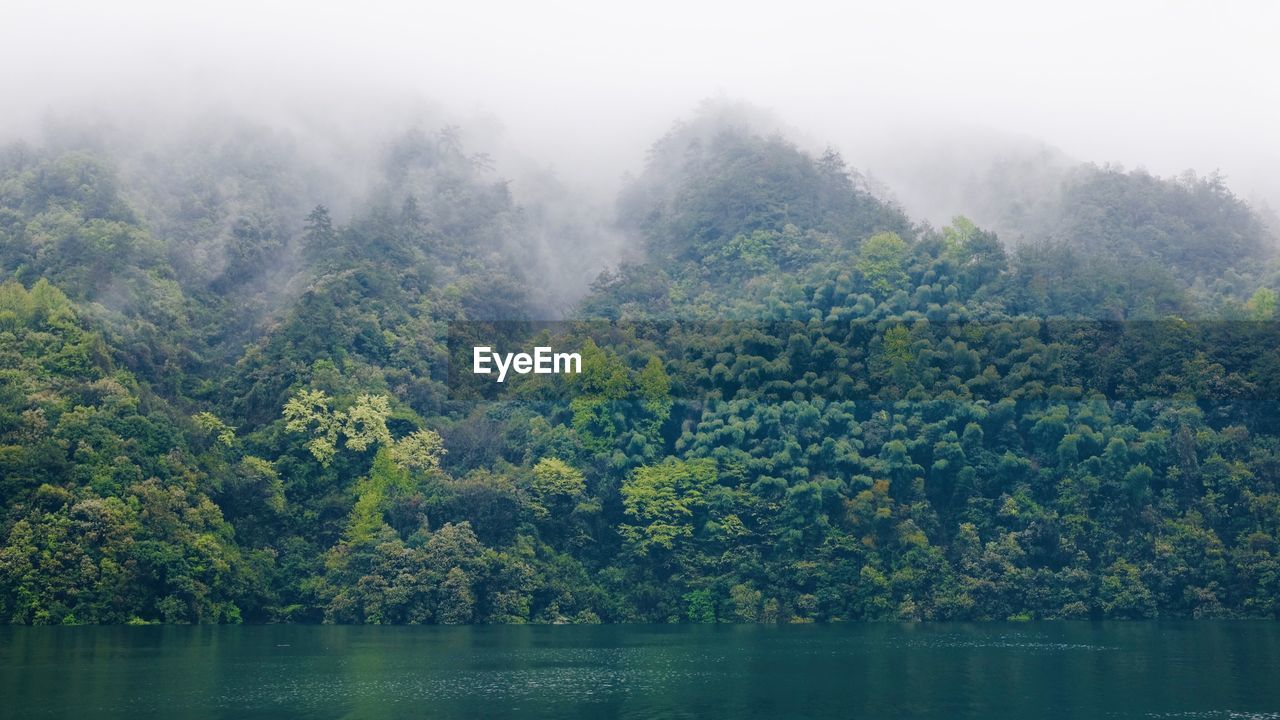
1262	305
309	412
366	423
360	426
419	450
555	487
386	479
882	261
211	425
662	501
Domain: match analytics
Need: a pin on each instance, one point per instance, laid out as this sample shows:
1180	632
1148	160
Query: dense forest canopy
225	392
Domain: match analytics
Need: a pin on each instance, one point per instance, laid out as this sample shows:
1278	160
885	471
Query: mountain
223	401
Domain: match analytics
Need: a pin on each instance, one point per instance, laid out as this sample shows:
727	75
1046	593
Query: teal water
1058	670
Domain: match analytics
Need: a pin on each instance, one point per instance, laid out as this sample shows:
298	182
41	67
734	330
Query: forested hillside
220	401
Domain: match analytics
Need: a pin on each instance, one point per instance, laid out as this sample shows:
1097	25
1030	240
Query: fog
917	95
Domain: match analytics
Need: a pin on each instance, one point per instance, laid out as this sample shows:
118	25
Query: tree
882	261
320	240
555	487
662	500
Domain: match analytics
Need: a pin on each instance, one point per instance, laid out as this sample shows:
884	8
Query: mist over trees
225	391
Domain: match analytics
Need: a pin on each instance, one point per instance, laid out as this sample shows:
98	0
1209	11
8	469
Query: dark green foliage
108	516
808	409
1193	226
713	191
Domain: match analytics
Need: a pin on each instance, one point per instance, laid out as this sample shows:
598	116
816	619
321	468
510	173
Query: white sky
588	85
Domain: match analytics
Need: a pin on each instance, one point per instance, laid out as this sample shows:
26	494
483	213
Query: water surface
1060	670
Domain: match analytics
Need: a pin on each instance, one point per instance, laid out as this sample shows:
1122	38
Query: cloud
585	87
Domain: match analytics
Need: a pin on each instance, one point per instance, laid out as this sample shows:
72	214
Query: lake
1064	670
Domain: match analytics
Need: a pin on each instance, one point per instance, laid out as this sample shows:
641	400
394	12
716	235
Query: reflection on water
1067	670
